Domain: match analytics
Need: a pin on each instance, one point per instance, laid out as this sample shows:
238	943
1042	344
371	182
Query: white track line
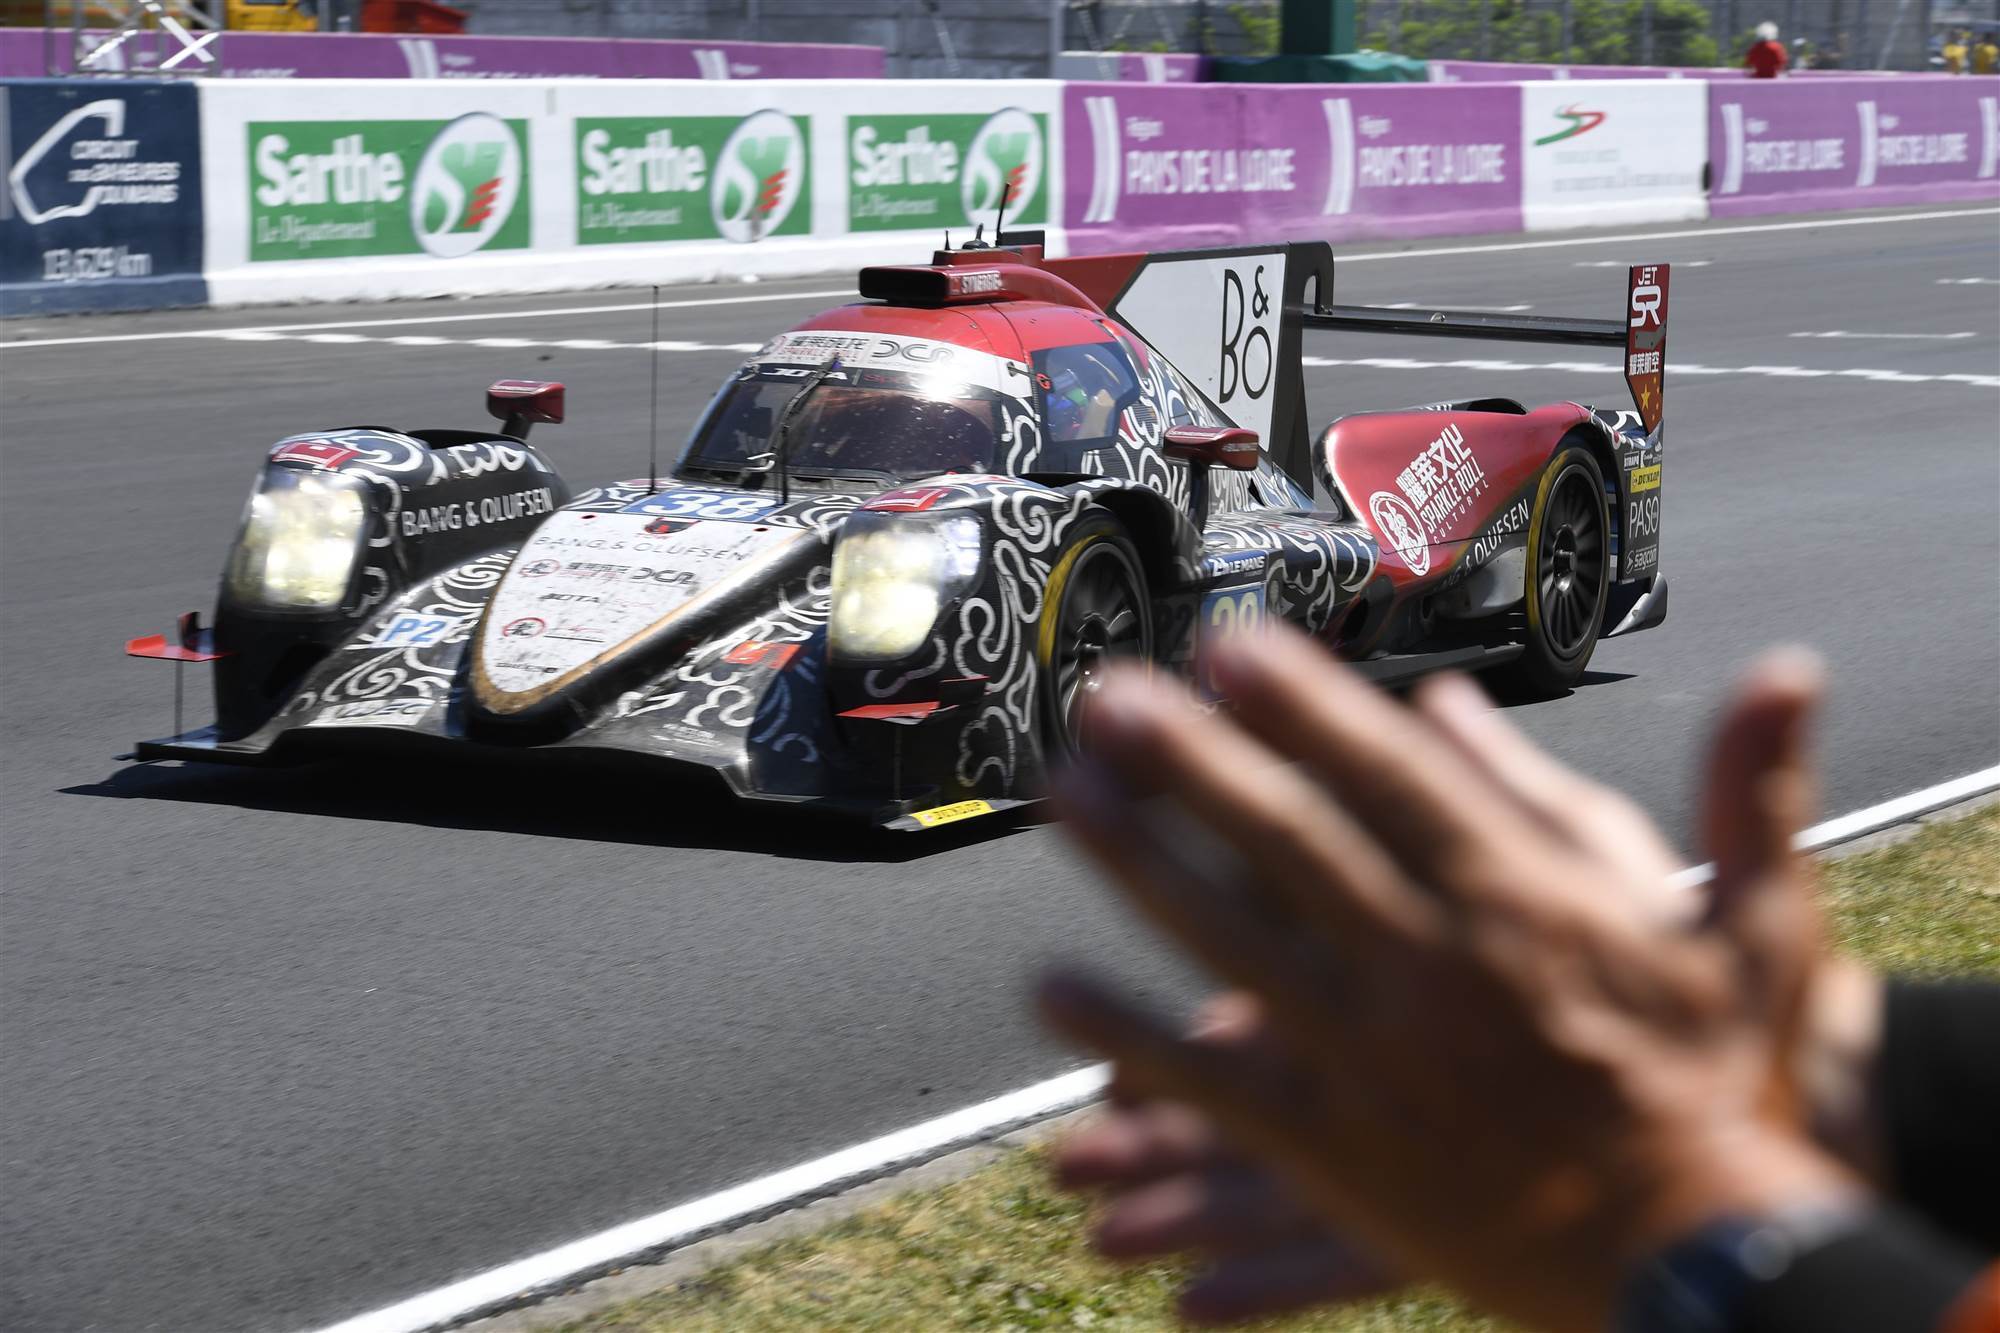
1567	241
1895	810
1311	362
1433	253
1912	337
687	1222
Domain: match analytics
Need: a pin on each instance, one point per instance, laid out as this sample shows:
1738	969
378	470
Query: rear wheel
1568	577
1095	613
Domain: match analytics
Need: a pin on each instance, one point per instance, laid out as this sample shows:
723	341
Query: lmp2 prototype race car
907	536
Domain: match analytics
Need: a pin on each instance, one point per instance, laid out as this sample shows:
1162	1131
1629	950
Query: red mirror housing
1214	446
519	404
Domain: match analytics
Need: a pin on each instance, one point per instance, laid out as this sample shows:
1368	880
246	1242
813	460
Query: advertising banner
947	171
1605	154
38	52
340	189
1216	164
102	201
692	178
329	189
1853	143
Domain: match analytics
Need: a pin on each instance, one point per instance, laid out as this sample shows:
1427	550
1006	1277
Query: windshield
878	422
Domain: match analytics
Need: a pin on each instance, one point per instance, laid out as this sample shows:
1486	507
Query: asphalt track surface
280	1047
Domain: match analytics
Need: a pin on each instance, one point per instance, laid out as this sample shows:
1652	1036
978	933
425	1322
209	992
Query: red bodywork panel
1023	304
192	642
1427	481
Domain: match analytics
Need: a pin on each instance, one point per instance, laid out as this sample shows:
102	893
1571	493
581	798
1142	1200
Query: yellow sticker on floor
946	814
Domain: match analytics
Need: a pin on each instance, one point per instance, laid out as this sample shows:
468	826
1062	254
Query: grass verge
1000	1250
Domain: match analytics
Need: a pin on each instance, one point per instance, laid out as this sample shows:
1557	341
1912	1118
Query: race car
906	538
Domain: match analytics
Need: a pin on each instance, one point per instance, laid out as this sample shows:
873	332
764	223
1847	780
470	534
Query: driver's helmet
1084	386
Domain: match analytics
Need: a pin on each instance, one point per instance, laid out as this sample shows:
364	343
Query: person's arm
1887	1274
1440	924
1940	1104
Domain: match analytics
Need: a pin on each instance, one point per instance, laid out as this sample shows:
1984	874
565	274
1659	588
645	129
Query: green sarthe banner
334	189
692	178
921	171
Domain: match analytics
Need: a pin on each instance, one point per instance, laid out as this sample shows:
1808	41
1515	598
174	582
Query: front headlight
892	575
300	537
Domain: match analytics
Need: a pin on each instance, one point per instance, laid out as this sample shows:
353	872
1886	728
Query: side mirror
1213	446
519	404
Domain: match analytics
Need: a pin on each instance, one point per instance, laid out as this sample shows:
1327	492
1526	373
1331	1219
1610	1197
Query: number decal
1233	611
412	631
725	506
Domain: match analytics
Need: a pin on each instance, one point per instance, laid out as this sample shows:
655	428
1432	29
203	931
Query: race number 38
723	505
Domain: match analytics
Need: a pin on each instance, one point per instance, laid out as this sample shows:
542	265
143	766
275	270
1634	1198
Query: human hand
1171	1183
1496	1070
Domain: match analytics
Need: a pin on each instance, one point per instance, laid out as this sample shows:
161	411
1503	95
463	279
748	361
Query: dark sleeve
1940	1101
1890	1275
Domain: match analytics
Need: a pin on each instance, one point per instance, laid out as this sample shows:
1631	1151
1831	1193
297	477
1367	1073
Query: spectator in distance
1956	52
1766	57
1474	1036
1986	55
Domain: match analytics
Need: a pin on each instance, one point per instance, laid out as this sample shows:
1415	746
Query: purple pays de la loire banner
1159	167
39	52
1508	71
1852	143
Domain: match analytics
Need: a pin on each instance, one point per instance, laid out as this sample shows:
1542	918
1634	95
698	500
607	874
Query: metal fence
1017	38
1858	34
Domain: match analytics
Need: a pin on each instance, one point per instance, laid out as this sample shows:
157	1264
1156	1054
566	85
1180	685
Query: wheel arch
1591	436
1164	539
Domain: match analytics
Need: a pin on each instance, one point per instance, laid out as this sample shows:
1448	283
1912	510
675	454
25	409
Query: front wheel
1568	577
1095	612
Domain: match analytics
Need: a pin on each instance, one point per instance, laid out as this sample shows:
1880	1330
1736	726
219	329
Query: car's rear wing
1642	332
1233	321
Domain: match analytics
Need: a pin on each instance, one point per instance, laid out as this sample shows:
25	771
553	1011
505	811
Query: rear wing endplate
1642	332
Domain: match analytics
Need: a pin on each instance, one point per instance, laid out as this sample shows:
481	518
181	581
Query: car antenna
1000	222
653	449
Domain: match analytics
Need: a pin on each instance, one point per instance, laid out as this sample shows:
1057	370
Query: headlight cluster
300	537
892	575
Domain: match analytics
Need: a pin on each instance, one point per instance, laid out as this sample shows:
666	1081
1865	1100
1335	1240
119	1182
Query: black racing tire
1096	610
1568	578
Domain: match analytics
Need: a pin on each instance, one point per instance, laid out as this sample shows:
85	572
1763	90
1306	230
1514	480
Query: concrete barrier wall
125	194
